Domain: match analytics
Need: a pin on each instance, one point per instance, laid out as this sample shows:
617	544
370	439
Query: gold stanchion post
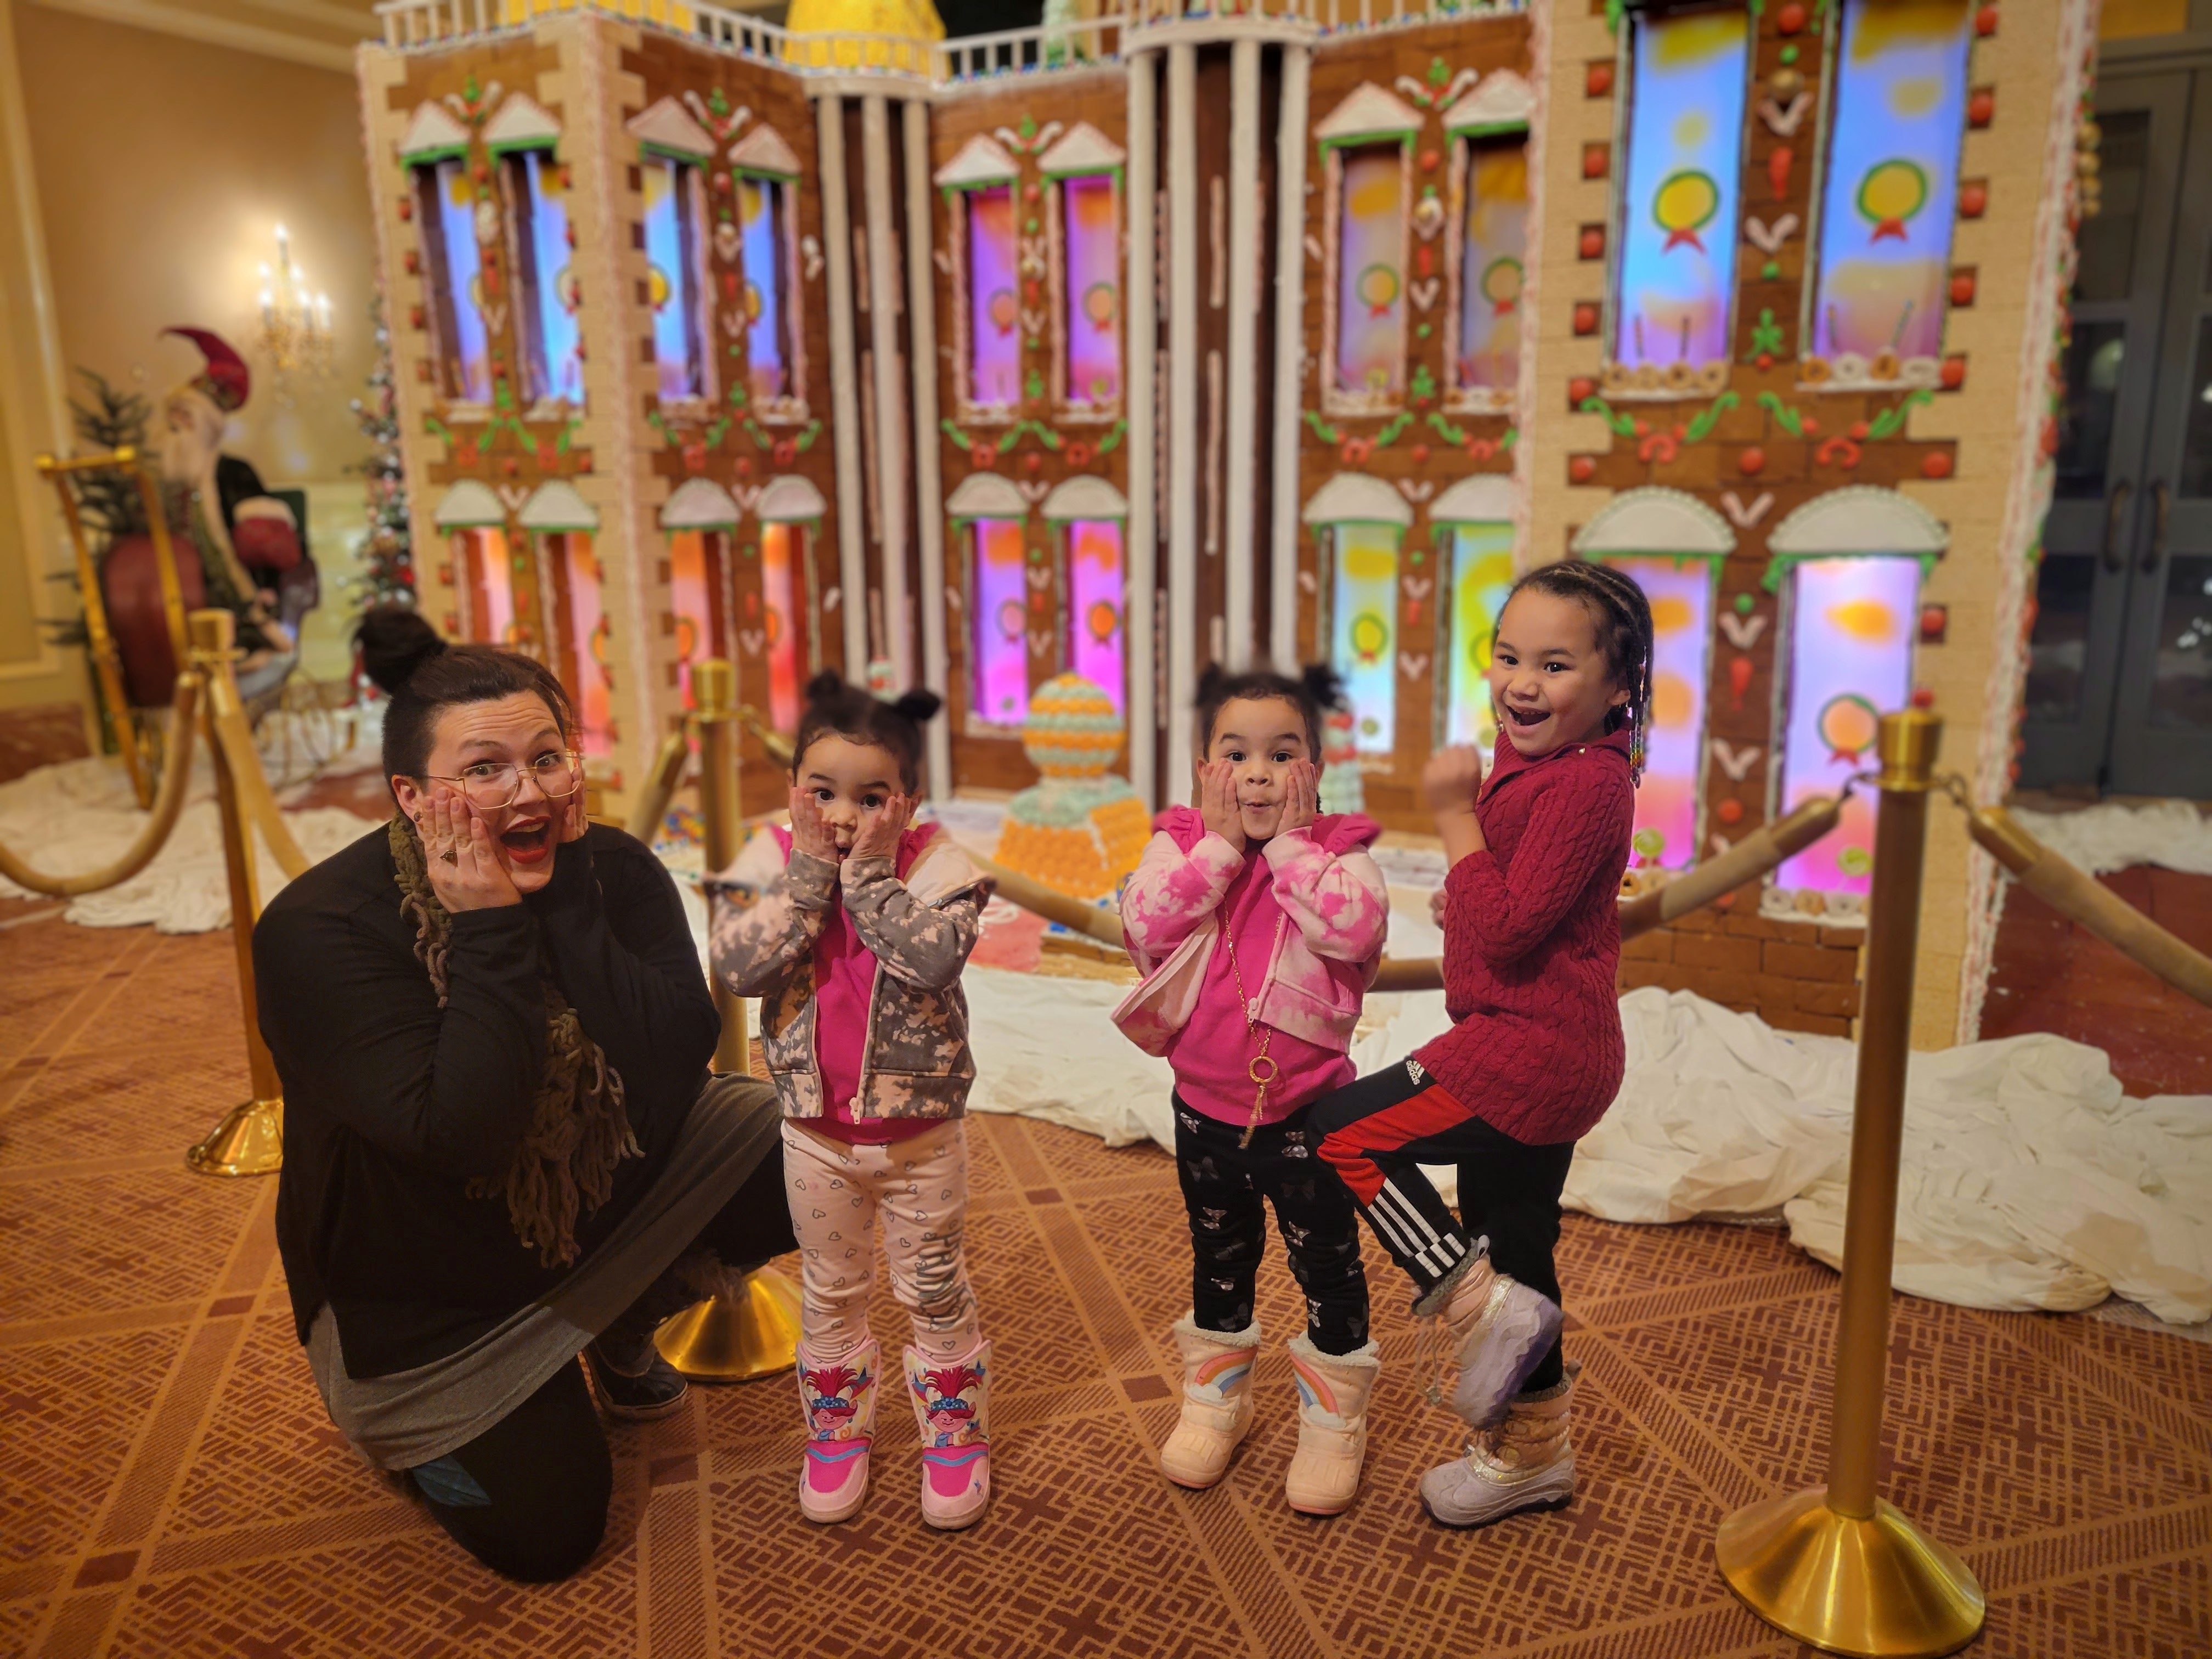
1836	1567
754	1331
250	1139
106	663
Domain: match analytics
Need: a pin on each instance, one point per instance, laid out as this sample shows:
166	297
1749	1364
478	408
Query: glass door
2162	727
2090	545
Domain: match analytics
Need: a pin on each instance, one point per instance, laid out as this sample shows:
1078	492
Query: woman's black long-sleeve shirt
392	1104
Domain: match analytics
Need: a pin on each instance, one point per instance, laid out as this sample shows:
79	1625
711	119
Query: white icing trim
1479	498
1500	101
522	123
1859	519
790	499
433	129
763	150
668	126
928	466
468	504
1243	415
699	504
1370	112
554	505
1355	498
985	495
1654	521
1083	497
1296	79
1085	149
982	160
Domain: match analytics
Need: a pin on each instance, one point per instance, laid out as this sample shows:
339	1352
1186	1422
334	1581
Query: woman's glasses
491	786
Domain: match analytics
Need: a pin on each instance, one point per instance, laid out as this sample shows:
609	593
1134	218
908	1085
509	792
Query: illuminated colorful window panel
995	336
486	557
1681	595
556	369
672	254
1851	625
1370	299
1885	204
1481	576
451	219
779	558
692	574
1493	245
764	230
1093	323
582	625
1097	598
998	661
1364	630
1679	198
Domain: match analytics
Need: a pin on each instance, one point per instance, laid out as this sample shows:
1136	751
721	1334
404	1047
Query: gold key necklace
1262	1070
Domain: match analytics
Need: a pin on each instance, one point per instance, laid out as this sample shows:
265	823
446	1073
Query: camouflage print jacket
768	919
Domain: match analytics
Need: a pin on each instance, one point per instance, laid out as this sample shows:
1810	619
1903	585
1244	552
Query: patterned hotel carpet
168	1485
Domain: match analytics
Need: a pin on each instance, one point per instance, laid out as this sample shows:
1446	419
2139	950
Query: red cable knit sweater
1532	944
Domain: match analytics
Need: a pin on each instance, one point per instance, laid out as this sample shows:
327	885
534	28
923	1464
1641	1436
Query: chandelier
295	336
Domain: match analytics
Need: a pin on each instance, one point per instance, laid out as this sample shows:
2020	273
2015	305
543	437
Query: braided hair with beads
1621	617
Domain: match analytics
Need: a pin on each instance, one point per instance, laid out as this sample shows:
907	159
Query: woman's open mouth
529	842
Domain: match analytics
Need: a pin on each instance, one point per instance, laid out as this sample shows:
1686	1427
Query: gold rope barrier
167	804
1836	1567
106	660
752	1331
250	1139
2081	898
659	786
234	736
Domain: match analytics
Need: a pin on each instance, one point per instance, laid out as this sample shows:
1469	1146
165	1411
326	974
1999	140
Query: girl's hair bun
1324	684
919	705
826	687
395	640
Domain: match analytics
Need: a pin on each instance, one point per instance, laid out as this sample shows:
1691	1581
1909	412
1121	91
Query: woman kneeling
502	1145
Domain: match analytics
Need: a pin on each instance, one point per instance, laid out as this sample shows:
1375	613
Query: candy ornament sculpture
1082	829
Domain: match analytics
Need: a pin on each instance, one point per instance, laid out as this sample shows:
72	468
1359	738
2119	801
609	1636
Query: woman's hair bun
919	705
395	640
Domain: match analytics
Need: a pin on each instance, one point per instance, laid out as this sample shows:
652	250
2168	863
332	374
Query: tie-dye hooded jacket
769	915
1328	885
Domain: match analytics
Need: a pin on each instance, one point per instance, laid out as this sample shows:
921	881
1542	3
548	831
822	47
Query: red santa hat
225	380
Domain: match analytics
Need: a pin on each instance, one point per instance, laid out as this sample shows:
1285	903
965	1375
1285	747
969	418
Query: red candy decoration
1581	469
1953	374
1597	160
1973	200
1581	387
1985	21
1791	19
1730	812
1778	164
1597	79
1740	671
1962	289
1751	462
1935	464
1592	245
1585	317
1980	108
1429	160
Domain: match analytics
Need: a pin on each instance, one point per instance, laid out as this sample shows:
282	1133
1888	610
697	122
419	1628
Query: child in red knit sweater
1534	1056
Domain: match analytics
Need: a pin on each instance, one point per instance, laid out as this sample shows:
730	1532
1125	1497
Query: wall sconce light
294	335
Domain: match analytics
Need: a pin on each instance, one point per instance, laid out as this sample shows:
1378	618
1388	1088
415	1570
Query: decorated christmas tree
388	561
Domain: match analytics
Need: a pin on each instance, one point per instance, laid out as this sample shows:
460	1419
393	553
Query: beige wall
150	173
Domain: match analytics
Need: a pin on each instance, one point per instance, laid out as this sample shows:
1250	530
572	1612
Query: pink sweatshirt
1308	914
844	986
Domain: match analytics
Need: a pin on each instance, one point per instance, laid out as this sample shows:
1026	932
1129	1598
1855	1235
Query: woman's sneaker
633	1382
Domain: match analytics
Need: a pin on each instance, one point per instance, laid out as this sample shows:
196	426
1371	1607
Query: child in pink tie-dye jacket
1258	922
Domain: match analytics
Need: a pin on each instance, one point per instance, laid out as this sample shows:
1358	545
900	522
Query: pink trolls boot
840	1402
952	1405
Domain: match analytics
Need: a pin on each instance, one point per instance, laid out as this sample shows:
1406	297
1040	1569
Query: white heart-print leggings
917	1190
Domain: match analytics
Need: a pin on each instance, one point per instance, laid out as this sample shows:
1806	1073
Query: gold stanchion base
1877	1590
249	1141
724	1340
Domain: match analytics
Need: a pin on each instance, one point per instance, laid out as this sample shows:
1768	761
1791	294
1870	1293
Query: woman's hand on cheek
809	831
465	870
570	816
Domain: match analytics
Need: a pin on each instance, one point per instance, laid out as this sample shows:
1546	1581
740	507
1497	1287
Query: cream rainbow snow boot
1333	1394
1216	1402
1526	1461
